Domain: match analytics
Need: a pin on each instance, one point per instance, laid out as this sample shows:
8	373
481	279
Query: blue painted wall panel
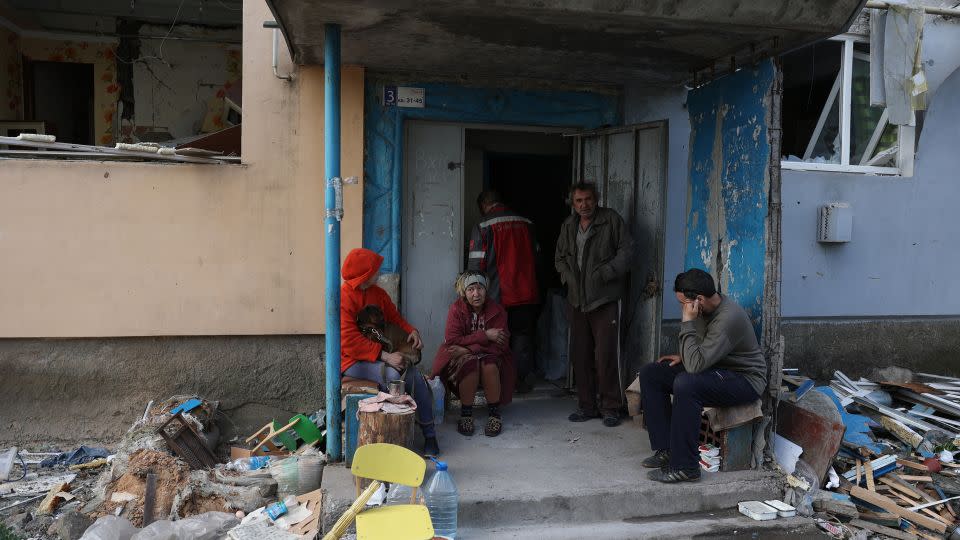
383	138
729	159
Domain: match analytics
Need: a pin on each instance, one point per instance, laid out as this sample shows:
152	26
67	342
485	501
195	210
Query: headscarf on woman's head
468	278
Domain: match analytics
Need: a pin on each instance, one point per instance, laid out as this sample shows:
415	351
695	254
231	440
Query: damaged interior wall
93	250
729	183
11	85
179	85
102	55
162	88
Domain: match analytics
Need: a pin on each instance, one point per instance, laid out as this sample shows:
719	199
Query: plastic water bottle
248	464
399	494
439	392
443	501
280	508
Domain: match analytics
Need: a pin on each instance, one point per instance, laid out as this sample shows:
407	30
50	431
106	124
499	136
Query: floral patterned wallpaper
11	77
103	56
215	111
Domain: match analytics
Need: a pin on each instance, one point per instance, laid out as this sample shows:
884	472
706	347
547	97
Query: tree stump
381	427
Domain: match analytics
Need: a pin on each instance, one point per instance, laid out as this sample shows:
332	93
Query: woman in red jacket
476	349
363	358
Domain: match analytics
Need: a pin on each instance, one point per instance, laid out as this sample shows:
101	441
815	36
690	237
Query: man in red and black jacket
503	246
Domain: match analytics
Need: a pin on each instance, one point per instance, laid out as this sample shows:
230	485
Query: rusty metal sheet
819	437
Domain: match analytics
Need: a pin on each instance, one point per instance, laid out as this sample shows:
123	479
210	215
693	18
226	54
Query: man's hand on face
674	359
690	310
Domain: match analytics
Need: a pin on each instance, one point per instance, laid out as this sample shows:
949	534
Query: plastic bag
110	528
804	500
208	526
439	393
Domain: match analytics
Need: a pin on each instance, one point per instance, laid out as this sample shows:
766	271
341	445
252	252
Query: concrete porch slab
543	468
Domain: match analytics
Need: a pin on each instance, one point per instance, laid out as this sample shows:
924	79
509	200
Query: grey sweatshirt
724	339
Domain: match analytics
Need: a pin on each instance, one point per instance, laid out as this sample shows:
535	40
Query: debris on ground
894	471
167	478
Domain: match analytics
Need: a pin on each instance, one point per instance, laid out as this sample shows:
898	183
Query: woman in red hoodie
476	349
363	358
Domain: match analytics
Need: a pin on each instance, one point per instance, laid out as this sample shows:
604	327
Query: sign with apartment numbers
403	96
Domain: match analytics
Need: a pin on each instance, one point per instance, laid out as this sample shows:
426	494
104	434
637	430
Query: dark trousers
594	344
522	322
676	426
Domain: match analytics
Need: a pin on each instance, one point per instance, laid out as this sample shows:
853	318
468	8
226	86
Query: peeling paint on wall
383	138
729	156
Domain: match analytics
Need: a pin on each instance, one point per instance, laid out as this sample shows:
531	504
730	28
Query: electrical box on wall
835	223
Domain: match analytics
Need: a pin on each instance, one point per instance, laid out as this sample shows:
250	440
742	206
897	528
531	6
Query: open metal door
628	164
432	229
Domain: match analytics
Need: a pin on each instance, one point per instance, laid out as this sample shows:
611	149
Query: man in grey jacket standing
720	365
593	258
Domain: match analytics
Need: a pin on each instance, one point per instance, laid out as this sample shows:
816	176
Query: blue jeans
381	373
676	426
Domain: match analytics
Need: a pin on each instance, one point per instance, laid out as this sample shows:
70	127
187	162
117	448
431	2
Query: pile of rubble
873	459
169	477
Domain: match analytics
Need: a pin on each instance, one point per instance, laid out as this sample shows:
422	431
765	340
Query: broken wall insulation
384	134
729	183
11	83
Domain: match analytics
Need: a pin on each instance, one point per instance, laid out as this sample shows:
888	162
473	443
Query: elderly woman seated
476	350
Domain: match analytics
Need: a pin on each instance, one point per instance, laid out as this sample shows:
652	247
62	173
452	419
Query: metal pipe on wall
331	137
276	56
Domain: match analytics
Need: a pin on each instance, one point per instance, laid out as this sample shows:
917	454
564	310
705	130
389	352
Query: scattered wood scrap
894	508
880	529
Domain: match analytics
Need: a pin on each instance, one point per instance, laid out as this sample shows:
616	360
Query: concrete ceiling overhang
573	41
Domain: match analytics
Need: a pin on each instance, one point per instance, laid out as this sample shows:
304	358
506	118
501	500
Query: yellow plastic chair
382	462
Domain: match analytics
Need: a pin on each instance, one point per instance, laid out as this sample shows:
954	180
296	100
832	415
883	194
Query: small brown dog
374	326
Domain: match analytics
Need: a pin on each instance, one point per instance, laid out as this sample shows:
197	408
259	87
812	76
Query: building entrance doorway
448	165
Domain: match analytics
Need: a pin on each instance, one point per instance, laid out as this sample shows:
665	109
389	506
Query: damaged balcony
125	81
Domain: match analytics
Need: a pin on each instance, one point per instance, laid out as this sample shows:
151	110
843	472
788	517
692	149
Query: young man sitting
719	365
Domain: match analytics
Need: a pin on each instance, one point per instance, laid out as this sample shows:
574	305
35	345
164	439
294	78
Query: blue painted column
331	159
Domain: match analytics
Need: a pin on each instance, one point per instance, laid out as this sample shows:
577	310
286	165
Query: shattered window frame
878	148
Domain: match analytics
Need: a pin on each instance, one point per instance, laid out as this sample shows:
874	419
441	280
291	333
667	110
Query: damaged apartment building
748	139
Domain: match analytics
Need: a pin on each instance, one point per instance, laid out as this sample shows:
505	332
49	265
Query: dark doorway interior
61	95
536	187
532	171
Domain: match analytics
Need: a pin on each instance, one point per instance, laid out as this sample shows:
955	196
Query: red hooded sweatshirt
359	266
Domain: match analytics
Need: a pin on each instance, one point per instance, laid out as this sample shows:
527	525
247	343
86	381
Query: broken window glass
814	108
811	80
873	140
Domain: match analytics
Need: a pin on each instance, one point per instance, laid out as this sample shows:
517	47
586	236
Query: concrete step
641	500
545	469
726	524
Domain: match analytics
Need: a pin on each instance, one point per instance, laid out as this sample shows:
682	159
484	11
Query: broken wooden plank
912	465
149	498
914	530
881	518
901	488
890	506
859	466
880	529
869	472
911	478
